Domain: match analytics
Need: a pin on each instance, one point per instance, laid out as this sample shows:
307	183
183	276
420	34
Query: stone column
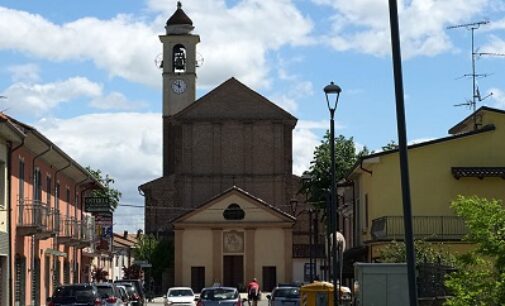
250	237
288	254
217	255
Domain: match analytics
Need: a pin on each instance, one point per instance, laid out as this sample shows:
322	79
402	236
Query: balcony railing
35	218
87	233
424	227
67	229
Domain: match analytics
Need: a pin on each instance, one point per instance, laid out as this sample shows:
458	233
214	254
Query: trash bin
321	294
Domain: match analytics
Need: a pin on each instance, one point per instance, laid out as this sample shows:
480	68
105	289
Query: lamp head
332	89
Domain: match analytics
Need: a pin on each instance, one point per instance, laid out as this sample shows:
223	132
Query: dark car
219	296
75	295
137	283
135	299
284	296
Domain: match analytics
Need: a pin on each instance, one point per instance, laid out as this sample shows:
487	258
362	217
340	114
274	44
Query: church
227	200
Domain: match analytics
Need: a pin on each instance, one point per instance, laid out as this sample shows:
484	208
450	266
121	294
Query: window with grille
56	273
48	190
66	272
36	282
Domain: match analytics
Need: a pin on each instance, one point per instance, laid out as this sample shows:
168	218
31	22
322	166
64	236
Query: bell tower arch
179	63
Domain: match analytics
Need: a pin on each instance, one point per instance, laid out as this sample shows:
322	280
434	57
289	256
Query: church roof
235	101
179	17
242	192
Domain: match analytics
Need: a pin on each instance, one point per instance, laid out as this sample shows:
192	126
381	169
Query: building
232	137
470	161
48	227
122	250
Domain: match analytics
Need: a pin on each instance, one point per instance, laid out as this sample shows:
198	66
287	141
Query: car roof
180	288
213	288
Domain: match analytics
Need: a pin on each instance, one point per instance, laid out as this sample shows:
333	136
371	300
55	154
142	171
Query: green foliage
480	279
133	272
391	145
426	252
145	247
109	192
100	275
317	179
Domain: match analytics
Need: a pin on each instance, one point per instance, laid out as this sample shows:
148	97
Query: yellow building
232	238
470	161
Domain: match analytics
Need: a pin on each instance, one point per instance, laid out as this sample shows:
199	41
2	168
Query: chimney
125	234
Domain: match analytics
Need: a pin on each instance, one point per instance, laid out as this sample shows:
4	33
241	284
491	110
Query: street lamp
332	91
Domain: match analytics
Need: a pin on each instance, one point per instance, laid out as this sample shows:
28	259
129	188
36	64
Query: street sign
97	204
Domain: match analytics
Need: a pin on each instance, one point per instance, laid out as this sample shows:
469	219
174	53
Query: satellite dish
158	61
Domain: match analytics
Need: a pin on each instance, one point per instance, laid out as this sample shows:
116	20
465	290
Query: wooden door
269	279
233	271
197	278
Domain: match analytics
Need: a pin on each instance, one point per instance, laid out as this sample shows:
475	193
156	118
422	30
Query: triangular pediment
235	101
234	206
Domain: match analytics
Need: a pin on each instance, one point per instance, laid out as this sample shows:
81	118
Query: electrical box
381	284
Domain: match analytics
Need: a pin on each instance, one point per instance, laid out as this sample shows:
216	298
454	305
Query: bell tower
179	62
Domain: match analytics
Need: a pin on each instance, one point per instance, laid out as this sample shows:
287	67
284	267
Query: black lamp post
330	91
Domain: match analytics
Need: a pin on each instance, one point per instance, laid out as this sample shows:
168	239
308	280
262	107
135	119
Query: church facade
233	144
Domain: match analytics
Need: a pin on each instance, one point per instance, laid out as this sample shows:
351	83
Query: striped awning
479	172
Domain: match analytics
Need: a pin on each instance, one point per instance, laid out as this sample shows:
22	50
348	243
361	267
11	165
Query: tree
426	252
108	192
316	181
480	279
391	145
133	272
100	275
145	247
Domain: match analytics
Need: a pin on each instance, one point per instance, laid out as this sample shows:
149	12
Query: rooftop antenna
475	89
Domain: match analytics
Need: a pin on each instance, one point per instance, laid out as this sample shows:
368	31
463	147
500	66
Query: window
68	202
57	196
37	186
366	210
3	183
48	190
233	212
21	192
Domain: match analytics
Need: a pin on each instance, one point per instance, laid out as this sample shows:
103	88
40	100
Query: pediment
234	101
234	206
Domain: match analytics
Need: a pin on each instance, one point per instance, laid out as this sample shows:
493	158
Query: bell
179	63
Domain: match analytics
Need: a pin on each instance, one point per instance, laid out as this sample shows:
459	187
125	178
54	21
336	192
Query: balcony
36	218
67	229
87	233
424	227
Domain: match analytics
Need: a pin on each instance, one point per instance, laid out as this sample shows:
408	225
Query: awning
55	253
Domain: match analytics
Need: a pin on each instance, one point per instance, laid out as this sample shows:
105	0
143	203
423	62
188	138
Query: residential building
122	250
470	161
49	227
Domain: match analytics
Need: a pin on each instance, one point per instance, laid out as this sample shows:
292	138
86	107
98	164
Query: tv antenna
475	89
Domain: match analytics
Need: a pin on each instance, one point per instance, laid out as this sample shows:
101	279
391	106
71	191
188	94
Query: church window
233	212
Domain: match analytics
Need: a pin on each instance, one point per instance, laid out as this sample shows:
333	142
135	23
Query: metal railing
67	227
34	215
424	227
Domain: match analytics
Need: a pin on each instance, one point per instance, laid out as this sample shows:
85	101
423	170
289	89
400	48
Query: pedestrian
253	292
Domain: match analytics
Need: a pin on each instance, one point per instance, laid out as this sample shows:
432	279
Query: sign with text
97	204
104	232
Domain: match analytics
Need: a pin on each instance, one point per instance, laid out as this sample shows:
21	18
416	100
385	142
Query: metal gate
36	282
20	281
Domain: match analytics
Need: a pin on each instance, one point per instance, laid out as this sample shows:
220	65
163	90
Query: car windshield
219	294
105	291
180	292
129	287
287	293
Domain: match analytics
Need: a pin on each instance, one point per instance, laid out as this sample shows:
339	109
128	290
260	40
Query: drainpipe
11	151
32	264
75	210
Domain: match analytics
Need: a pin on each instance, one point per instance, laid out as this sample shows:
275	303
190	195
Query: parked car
138	286
134	295
180	296
123	294
220	296
284	296
109	294
75	295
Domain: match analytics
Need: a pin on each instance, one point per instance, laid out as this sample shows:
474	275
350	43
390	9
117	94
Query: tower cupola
179	22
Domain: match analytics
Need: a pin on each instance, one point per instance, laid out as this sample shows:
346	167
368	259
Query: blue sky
83	72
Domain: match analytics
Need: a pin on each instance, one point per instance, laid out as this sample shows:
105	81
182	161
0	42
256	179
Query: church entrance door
233	270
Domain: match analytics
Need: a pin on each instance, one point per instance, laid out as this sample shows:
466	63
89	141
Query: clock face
178	86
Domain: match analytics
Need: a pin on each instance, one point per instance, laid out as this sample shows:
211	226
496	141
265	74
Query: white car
180	296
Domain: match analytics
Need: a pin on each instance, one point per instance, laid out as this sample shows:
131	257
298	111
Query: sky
83	72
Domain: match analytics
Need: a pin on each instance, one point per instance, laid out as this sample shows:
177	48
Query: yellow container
316	294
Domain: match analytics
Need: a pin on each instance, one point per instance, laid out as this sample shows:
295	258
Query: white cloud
39	99
116	101
125	145
498	97
24	73
234	39
363	25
